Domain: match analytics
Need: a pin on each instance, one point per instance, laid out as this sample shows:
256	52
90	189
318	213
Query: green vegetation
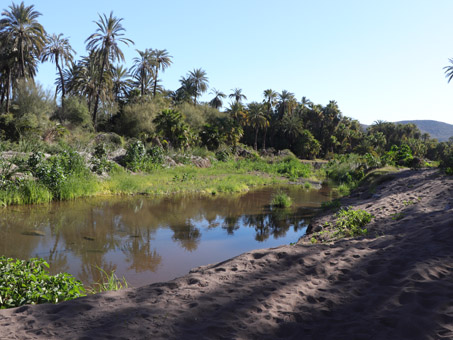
351	223
281	200
28	282
108	282
348	223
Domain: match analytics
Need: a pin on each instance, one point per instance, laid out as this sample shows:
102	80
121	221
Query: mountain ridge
436	129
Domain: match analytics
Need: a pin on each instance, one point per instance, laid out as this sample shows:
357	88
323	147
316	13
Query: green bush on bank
348	223
281	200
28	282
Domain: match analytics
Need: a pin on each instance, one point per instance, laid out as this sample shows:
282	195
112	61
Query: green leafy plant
398	216
351	223
28	282
100	163
281	200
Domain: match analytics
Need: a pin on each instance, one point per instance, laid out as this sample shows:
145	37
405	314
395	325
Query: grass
233	176
281	200
108	282
221	178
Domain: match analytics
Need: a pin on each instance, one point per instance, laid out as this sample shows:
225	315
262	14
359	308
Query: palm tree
121	82
270	98
257	119
27	35
161	60
238	113
199	81
7	65
217	100
82	79
59	50
237	95
305	102
105	42
449	70
143	70
286	103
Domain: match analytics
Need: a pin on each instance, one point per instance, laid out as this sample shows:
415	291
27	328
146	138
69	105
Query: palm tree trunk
8	87
63	92
22	64
256	139
155	84
264	138
98	94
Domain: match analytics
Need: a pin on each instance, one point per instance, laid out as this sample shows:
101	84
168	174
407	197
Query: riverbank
68	176
395	283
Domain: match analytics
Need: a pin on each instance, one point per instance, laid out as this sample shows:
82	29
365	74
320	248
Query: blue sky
380	60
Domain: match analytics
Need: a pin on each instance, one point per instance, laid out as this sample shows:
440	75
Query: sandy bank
396	283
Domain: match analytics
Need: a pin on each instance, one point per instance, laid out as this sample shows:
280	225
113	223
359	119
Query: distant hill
441	131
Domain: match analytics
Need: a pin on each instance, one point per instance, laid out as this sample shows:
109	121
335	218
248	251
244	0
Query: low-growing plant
28	282
398	216
108	282
281	200
292	168
351	223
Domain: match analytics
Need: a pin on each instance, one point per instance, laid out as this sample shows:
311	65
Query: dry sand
396	283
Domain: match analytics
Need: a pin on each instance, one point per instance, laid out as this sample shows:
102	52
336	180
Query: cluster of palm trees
24	42
105	85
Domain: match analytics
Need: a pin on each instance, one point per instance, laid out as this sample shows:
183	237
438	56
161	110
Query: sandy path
397	283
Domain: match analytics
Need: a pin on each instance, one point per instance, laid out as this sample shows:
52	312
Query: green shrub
281	200
99	161
28	282
351	223
292	168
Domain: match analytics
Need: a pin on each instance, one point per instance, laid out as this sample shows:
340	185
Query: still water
148	240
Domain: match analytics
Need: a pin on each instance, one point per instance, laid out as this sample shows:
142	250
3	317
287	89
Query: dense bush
137	158
351	223
281	200
399	155
28	282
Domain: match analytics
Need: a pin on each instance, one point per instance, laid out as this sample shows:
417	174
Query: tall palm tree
27	35
257	119
161	60
449	70
8	57
82	79
143	70
199	79
105	42
286	103
121	82
305	102
270	97
237	95
238	113
59	50
216	102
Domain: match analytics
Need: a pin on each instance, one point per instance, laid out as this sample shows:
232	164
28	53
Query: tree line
98	93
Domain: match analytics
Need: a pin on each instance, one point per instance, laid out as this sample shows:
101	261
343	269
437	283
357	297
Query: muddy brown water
149	240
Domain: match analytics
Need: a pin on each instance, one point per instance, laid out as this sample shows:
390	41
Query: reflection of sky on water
148	240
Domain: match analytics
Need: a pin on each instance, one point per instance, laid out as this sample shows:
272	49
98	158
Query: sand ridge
395	283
